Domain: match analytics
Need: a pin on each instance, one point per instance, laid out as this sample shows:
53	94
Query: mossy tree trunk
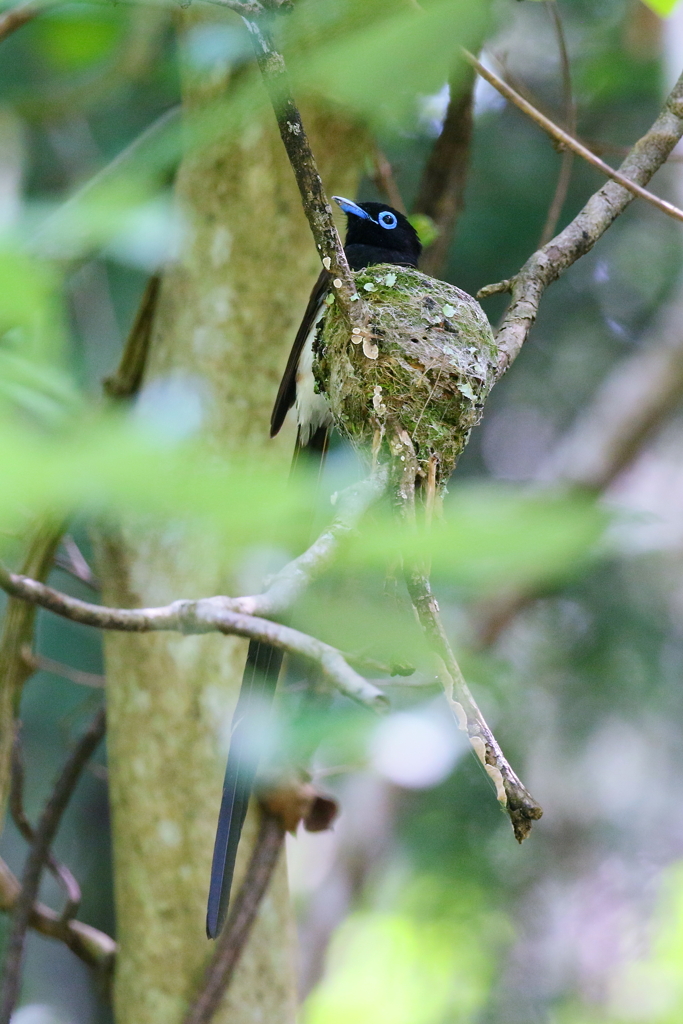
227	313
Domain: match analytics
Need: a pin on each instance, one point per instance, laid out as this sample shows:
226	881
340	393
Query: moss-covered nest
425	365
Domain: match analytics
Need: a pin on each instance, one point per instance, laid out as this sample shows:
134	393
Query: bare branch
207	615
16	640
18	16
126	381
385	181
513	796
71	560
16	802
579	237
134	150
441	193
565	139
244	7
565	174
510	791
89	944
44	836
233	938
315	204
286	586
40	663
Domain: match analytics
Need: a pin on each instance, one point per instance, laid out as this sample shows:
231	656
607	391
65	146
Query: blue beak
350	207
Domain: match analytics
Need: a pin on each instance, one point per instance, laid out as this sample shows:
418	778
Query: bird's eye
387	220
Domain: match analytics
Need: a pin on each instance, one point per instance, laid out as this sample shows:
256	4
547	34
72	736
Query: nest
423	367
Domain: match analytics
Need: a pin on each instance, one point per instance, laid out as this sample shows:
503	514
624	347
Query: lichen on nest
425	366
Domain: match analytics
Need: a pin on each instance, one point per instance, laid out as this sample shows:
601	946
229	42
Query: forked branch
568	141
45	832
93	947
206	615
581	234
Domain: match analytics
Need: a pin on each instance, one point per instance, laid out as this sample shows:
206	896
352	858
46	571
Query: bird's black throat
360	256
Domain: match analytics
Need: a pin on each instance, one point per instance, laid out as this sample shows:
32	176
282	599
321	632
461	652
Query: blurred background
419	907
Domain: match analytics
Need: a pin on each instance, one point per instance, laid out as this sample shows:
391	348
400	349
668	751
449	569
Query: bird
375	233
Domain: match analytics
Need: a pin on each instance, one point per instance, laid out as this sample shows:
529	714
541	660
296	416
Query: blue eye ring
387	220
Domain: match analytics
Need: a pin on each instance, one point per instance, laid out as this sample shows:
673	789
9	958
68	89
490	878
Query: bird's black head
376	233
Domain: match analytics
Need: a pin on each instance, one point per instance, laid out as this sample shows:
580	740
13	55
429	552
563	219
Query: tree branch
39	663
233	938
71	560
17	638
89	944
16	802
510	791
44	836
243	7
385	181
513	796
567	161
286	586
628	407
316	207
567	140
206	615
579	237
126	381
18	16
441	193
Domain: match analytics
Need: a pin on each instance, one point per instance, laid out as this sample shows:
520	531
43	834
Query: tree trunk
227	313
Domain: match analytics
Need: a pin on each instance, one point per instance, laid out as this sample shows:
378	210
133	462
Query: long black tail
259	681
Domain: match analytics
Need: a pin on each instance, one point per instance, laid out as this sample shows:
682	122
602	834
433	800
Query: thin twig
16	640
567	161
18	16
40	663
206	615
287	585
581	234
71	560
385	181
16	803
45	832
93	947
565	139
243	7
233	938
316	207
134	150
126	381
441	192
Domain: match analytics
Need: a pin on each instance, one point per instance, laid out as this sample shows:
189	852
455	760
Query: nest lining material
425	365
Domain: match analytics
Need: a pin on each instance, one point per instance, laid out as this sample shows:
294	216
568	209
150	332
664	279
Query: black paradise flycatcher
376	233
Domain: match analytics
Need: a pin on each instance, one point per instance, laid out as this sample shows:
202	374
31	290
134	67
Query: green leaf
76	37
355	64
662	7
493	536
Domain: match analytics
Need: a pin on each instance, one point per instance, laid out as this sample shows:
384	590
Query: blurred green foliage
456	923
